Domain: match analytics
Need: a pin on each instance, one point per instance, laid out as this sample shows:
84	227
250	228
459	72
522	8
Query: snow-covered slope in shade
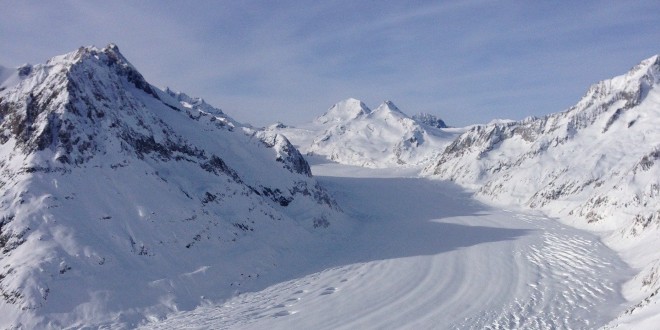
597	165
121	202
426	255
351	133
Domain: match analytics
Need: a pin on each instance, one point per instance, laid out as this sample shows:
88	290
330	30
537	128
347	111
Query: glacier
125	205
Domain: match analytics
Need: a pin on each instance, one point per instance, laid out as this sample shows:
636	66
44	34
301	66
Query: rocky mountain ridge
594	165
111	187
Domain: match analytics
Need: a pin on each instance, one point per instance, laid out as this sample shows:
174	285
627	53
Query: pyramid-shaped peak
648	69
630	86
389	107
351	104
108	58
648	63
344	111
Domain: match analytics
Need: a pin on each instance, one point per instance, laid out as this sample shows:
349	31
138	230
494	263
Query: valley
360	218
426	254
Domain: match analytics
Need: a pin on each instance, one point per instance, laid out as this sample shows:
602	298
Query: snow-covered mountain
596	164
120	201
429	120
351	133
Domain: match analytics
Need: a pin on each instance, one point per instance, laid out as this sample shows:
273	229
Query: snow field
426	255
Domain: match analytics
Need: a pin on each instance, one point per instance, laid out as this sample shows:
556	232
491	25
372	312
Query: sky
465	61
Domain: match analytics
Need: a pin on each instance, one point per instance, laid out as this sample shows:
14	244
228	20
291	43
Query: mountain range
595	165
122	202
351	133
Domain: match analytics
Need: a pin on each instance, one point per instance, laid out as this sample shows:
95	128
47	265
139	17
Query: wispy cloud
467	61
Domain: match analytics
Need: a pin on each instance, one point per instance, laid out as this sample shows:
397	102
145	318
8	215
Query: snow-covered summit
110	186
343	111
388	108
351	133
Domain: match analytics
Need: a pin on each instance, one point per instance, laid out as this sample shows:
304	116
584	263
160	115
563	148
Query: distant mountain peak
646	66
350	133
629	85
389	105
343	111
429	120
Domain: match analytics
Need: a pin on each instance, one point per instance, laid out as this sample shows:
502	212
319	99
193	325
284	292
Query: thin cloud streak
262	61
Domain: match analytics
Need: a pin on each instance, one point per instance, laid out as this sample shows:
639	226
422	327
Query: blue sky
263	61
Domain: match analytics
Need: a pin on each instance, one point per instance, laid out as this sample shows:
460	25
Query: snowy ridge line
595	166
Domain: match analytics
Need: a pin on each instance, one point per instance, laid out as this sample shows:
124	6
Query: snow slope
427	255
594	165
351	133
121	202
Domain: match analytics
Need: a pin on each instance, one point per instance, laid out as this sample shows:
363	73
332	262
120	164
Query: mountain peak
626	91
430	120
642	75
87	59
387	104
146	179
57	105
646	66
388	108
343	111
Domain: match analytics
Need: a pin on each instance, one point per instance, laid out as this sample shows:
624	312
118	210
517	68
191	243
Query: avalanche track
427	255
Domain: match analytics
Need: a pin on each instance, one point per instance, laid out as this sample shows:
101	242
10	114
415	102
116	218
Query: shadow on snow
407	217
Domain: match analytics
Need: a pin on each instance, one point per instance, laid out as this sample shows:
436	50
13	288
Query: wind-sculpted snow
351	133
594	165
427	256
120	201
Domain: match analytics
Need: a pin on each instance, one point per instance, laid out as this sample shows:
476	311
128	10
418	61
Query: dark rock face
287	154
